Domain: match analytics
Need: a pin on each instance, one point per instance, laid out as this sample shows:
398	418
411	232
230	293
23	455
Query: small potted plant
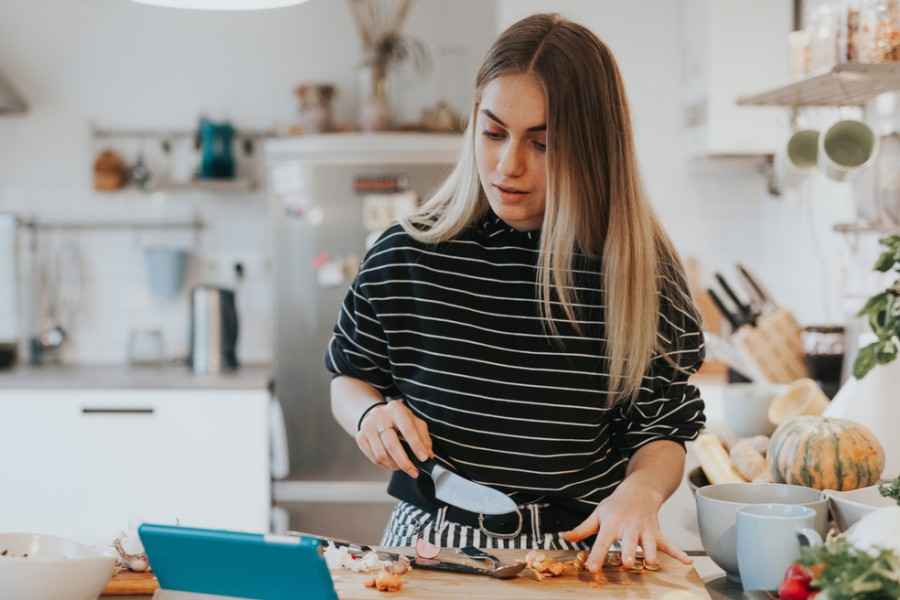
872	395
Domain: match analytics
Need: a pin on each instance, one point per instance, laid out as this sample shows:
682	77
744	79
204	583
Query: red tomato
794	589
798	571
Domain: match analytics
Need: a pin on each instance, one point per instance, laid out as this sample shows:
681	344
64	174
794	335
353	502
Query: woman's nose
512	163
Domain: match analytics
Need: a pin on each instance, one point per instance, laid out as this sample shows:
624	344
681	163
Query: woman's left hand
629	514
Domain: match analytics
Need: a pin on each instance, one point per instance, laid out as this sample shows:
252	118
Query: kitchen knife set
767	338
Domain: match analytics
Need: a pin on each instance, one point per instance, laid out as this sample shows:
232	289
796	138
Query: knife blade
458	491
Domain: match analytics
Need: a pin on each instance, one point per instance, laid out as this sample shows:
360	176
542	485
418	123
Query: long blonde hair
595	203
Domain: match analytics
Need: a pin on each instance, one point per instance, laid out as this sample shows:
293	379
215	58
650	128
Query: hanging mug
845	148
798	158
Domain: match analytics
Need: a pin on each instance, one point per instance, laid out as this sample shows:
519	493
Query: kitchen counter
124	377
674	579
678	520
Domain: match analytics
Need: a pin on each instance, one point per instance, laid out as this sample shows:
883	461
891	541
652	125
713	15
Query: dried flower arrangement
379	25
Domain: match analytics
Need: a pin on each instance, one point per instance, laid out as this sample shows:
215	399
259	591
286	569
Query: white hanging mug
845	148
798	157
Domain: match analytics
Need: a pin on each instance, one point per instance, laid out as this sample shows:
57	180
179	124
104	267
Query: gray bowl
717	507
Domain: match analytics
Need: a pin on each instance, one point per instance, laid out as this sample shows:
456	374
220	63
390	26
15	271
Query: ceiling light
222	4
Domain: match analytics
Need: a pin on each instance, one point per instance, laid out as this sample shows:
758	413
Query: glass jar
827	27
888	179
879	31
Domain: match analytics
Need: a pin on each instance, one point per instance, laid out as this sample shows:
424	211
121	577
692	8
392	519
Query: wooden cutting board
131	584
674	581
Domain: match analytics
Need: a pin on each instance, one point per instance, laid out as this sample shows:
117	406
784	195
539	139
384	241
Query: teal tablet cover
231	563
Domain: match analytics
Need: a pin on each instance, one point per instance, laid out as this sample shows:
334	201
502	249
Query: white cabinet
731	48
84	463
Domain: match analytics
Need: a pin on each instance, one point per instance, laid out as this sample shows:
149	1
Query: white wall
718	211
121	64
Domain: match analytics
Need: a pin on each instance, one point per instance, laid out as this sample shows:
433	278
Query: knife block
774	346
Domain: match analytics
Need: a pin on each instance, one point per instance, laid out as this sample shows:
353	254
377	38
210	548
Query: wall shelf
874	228
196	224
106	133
851	84
224	187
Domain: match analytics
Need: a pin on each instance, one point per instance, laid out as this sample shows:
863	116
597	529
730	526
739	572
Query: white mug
845	148
769	537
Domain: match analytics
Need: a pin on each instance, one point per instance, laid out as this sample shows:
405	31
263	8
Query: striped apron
407	522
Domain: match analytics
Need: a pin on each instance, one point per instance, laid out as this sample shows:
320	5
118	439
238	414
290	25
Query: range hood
10	101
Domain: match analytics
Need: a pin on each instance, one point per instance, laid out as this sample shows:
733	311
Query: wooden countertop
674	581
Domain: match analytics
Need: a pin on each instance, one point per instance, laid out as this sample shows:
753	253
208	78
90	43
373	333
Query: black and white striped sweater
455	329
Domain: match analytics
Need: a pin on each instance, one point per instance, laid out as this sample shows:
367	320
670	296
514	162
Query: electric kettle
214	330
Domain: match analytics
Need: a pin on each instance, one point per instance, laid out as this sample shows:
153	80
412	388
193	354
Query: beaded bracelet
365	412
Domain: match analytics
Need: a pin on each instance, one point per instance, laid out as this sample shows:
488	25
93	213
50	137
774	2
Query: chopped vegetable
425	549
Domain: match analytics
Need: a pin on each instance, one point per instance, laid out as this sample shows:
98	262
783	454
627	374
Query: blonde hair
595	203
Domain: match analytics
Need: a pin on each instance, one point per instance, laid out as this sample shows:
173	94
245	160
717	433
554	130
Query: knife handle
732	320
426	466
743	310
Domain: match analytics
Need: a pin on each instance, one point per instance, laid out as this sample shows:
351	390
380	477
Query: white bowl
718	505
849	507
55	568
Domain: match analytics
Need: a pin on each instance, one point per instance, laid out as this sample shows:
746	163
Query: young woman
530	325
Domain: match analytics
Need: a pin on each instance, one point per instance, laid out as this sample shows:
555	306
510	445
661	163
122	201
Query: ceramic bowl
55	568
849	507
717	507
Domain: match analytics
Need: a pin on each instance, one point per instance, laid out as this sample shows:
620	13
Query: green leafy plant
883	312
890	489
844	572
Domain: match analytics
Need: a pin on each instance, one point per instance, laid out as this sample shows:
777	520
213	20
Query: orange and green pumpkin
825	454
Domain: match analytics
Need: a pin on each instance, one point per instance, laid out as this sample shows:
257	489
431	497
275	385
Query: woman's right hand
379	441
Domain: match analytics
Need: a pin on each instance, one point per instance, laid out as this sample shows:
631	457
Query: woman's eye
541	146
493	135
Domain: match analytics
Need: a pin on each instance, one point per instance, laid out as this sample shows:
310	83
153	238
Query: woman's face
510	147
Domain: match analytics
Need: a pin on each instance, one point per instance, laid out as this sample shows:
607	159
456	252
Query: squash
825	453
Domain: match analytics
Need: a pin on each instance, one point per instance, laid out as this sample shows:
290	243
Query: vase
374	97
874	401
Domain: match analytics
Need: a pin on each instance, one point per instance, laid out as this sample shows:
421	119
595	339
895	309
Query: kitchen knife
459	491
744	312
761	292
499	571
731	318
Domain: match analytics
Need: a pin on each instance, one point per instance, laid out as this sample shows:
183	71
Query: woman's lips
510	194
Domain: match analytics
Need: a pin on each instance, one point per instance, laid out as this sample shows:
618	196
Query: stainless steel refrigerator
319	230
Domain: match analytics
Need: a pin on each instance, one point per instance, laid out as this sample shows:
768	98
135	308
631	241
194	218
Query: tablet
236	564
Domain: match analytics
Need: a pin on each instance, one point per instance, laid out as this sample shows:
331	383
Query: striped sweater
455	330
